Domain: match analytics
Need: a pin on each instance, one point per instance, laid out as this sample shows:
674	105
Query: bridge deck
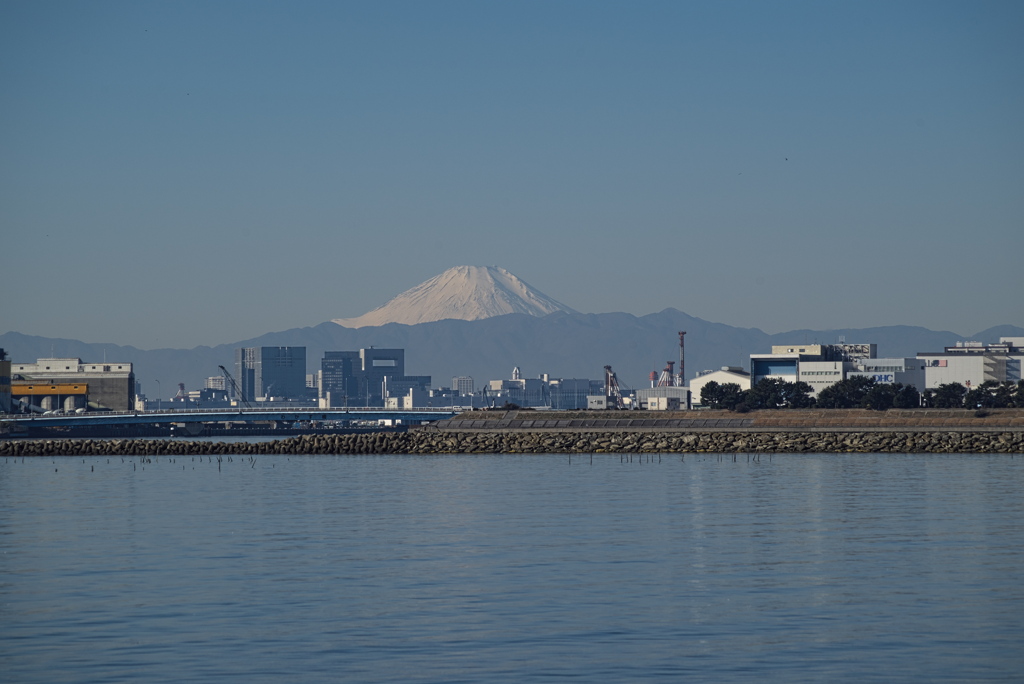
229	416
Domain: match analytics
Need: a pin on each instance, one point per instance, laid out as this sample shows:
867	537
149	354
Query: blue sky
183	173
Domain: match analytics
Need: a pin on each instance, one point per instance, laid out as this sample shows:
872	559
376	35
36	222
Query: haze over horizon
184	174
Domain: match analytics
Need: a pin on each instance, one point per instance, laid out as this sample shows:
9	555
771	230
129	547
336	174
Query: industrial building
520	390
665	398
666	392
823	365
904	371
967	363
544	391
70	385
819	365
973	363
414	397
367	378
571	393
217	382
271	373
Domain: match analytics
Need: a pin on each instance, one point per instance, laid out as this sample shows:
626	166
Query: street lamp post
158	390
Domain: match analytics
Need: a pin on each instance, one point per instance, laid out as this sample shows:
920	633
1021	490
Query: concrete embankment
489	442
915	420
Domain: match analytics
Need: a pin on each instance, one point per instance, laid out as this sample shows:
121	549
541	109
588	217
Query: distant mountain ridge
562	344
467	293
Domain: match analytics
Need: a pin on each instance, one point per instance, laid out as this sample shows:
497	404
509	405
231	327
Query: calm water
513	568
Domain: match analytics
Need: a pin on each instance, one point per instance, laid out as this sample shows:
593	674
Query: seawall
511	442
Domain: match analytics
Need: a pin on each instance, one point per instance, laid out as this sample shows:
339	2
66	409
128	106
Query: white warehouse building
972	363
725	375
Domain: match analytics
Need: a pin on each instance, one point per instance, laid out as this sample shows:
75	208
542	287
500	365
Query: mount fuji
467	293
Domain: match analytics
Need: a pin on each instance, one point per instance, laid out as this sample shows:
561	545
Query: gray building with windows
366	377
263	373
463	384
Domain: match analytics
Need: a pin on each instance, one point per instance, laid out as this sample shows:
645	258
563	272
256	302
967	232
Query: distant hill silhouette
563	344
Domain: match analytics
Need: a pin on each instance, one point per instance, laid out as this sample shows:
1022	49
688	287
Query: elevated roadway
404	417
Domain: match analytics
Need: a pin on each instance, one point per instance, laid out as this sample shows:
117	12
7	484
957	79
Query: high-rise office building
263	373
364	377
5	382
463	384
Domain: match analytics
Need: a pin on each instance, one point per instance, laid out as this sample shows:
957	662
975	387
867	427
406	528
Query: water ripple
504	568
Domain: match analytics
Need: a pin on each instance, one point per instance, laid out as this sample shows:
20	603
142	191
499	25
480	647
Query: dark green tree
768	393
711	394
732	396
880	397
948	395
775	393
847	393
798	395
907	397
724	396
1006	395
991	394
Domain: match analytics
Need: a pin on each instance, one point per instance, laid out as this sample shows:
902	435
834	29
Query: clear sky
183	173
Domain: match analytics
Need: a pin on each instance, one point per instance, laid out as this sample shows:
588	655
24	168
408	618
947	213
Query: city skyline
191	174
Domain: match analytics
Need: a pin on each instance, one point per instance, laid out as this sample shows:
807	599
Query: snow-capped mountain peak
463	292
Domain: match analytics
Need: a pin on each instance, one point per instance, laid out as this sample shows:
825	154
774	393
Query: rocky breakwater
526	442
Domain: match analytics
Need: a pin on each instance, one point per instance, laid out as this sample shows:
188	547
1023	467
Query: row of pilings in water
441	442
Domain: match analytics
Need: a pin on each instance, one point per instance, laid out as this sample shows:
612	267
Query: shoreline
999	431
431	442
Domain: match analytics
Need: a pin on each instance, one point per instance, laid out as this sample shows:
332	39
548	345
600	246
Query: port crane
234	386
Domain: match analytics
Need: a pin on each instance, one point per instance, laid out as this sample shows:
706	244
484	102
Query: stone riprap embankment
509	442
